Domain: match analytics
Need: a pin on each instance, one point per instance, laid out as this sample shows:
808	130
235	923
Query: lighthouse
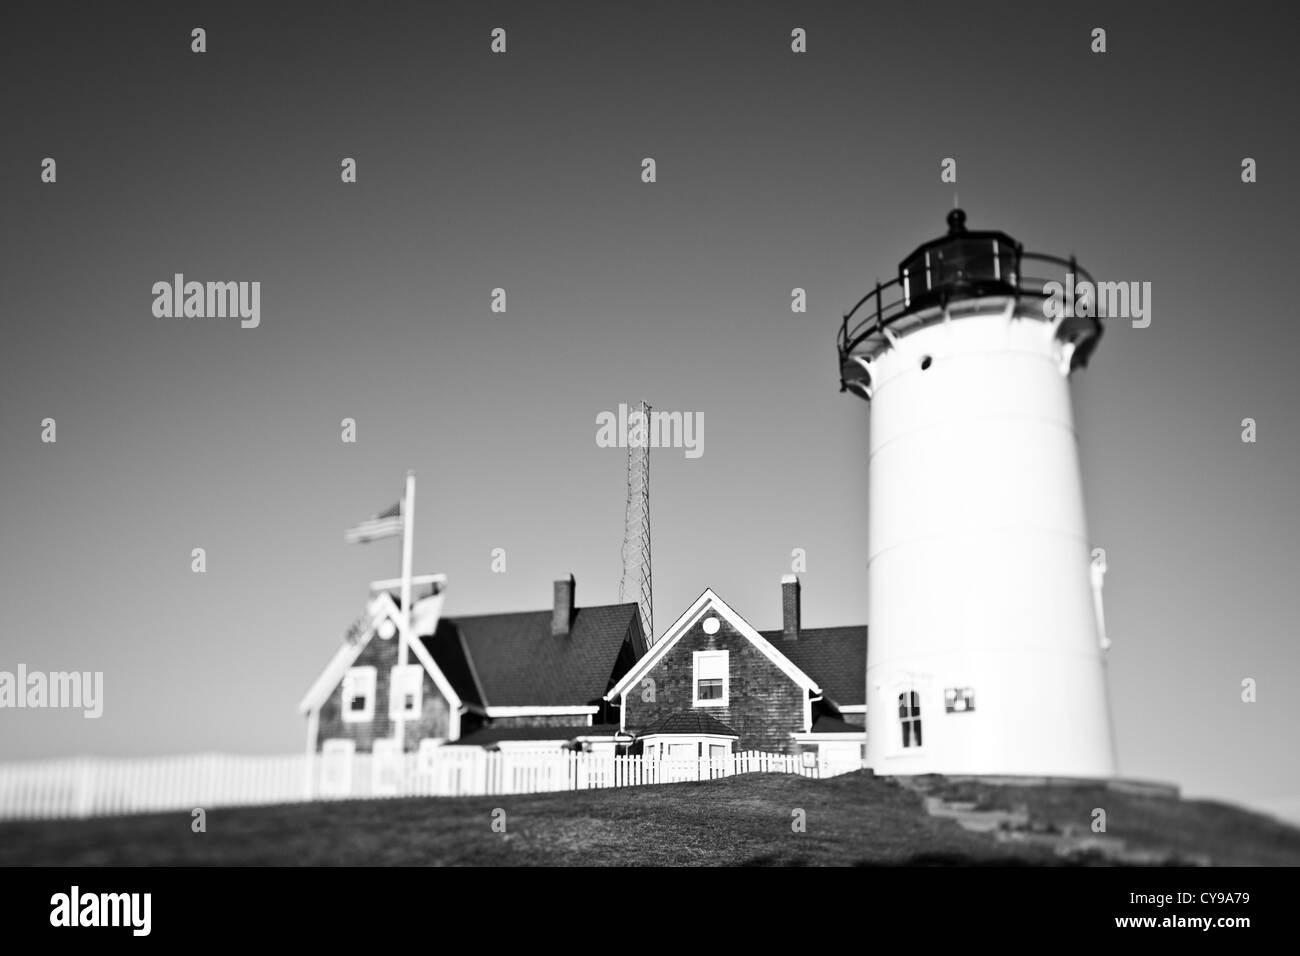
985	650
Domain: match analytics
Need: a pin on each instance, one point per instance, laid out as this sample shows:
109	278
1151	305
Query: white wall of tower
979	556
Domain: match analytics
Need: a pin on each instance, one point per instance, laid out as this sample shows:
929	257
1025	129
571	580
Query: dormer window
711	680
359	695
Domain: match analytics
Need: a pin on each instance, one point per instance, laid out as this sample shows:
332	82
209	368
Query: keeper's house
534	679
584	679
713	685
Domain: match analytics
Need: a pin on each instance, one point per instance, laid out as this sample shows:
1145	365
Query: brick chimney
790	607
562	613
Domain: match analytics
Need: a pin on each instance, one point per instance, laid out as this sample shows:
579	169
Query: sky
522	171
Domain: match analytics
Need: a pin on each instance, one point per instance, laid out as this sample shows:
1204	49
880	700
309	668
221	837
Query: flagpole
404	629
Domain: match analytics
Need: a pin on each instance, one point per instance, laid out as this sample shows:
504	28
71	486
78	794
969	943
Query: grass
854	819
1189	829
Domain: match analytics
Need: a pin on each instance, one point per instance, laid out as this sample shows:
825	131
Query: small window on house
359	695
405	686
909	716
711	688
959	700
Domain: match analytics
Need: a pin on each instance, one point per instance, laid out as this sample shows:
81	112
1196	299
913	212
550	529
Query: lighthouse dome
960	265
961	274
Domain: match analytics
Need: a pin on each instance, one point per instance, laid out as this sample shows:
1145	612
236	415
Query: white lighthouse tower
984	650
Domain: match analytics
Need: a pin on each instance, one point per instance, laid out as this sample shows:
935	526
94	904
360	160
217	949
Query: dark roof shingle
835	657
826	724
690	722
518	662
448	651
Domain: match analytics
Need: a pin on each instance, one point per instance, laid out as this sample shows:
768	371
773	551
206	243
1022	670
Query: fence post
85	787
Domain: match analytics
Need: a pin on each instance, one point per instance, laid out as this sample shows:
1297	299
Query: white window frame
913	720
398	680
368	676
725	699
655	745
952	696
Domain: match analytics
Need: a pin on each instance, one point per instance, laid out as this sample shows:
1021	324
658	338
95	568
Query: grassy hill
857	819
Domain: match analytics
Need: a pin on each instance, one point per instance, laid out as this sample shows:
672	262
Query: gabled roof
518	662
424	613
708	601
492	735
835	657
447	648
689	722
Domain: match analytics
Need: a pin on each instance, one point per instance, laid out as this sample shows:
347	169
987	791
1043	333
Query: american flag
386	524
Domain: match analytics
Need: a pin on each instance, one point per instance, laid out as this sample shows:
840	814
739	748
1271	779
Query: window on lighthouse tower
909	715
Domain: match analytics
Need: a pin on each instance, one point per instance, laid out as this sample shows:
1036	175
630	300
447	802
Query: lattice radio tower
635	585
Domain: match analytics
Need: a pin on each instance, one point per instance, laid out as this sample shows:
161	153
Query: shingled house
713	685
583	679
533	679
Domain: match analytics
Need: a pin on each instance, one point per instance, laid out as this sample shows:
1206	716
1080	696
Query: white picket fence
92	786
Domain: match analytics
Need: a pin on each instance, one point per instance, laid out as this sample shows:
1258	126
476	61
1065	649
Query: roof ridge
545	610
826	627
473	670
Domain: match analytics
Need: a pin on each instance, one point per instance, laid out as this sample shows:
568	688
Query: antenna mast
635	584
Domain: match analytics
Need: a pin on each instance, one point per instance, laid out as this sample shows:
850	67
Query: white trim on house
329	679
524	746
659	743
708	656
702	605
854	737
380	607
406	680
852	708
393	584
454	703
347	652
356	681
428	611
689	736
529	711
